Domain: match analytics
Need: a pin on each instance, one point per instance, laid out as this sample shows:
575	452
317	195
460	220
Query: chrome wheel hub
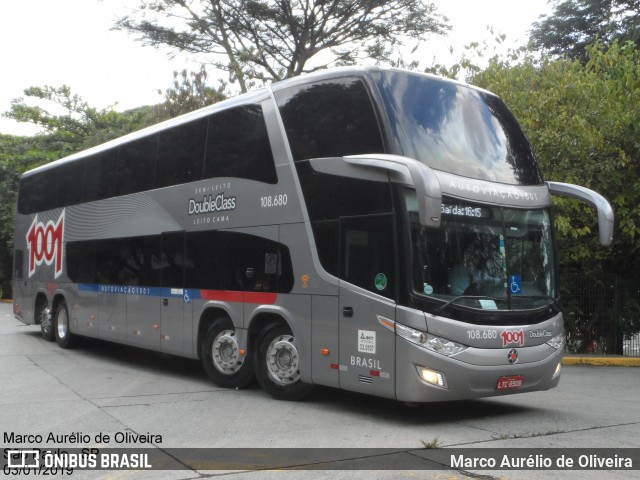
283	360
225	353
45	320
62	322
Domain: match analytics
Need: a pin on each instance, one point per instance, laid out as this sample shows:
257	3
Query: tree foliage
68	123
584	123
74	126
266	40
17	154
576	24
189	92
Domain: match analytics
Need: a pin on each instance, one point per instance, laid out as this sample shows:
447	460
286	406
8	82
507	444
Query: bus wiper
468	297
539	297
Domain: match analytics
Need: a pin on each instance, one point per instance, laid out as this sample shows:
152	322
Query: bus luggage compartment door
367	349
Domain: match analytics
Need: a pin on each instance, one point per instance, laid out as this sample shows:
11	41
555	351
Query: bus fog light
557	342
431	376
557	372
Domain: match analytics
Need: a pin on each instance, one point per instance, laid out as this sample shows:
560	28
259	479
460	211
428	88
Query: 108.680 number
273	201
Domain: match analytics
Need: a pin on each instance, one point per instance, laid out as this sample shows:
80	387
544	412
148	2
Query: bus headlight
430	342
557	342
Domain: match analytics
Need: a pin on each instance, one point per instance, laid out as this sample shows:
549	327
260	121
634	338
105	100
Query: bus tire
222	358
46	323
277	364
62	326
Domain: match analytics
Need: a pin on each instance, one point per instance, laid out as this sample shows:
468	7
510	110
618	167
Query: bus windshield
456	129
484	257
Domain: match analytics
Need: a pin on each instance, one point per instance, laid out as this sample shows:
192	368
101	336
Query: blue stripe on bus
135	290
187	295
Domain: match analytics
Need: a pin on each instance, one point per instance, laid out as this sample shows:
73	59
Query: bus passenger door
175	325
367	292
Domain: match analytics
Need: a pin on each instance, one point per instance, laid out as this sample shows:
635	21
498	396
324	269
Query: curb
601	360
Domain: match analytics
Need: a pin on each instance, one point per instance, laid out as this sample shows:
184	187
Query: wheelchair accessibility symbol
515	284
186	297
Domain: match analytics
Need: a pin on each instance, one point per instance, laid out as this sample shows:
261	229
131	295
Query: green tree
584	123
79	125
76	127
266	40
188	93
17	154
576	24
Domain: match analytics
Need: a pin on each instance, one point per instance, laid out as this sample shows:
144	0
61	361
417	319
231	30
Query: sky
70	42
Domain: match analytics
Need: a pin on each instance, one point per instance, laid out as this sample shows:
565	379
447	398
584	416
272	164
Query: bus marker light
431	376
335	366
385	322
374	373
325	351
155	326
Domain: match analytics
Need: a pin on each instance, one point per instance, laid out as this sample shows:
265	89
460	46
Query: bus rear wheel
46	323
62	326
223	360
277	364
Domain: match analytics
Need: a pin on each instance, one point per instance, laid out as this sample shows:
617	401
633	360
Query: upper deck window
330	119
228	143
456	129
238	146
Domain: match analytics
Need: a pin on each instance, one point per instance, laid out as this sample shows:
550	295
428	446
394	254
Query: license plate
512	382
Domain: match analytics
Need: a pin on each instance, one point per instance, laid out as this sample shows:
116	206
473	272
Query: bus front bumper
426	376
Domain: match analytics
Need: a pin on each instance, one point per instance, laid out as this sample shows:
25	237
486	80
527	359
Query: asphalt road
125	393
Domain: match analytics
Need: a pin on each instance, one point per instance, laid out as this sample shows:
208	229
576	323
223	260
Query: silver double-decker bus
375	230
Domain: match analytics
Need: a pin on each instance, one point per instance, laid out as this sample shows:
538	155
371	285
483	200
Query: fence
602	314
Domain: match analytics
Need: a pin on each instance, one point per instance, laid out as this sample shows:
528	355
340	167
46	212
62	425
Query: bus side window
330	119
69	184
42	192
99	176
204	267
172	262
368	256
81	261
238	146
181	154
135	166
257	264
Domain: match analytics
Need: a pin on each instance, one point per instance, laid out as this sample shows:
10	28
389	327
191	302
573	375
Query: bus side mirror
605	212
423	178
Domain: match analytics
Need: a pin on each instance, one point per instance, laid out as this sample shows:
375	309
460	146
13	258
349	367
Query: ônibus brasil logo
44	242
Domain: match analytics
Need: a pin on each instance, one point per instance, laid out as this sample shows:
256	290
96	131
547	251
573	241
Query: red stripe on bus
263	298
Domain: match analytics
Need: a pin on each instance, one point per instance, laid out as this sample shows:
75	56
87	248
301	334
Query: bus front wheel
225	362
64	337
277	364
